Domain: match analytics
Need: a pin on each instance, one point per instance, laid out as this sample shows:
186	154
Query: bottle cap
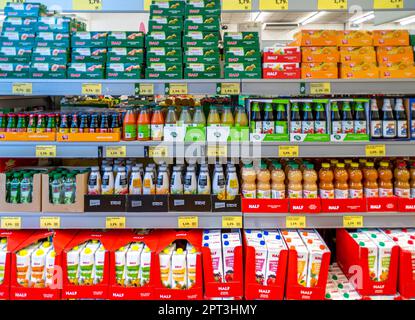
326	165
370	164
340	165
354	165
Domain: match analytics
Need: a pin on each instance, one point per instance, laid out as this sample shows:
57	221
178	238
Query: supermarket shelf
328	221
164	220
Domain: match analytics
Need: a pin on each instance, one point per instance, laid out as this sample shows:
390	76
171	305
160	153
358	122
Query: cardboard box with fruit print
397	70
201	55
355	38
167	8
15	54
243	71
395	54
241	39
281	70
203	7
242	55
319	71
358	54
14	70
320	54
202	23
166	24
86	71
390	38
124	71
164	55
315	38
163	39
164	71
201	71
363	70
201	39
47	71
125	55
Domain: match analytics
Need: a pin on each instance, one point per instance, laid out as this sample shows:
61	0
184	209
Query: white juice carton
145	266
261	260
213	242
364	241
229	242
165	266
3	255
86	264
50	267
179	270
23	264
404	241
294	242
72	262
99	264
191	259
38	265
132	263
274	250
120	256
315	260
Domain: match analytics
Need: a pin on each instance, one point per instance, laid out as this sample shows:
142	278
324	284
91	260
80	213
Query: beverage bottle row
388	122
349	118
19	186
62	185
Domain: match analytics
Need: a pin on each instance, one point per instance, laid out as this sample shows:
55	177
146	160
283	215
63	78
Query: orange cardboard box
26	136
355	38
319	71
397	70
320	54
315	38
390	38
89	137
357	54
395	54
365	70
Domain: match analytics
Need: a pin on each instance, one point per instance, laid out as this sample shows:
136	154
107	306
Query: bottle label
256	127
130	131
326	194
376	129
268	127
385	193
295	194
157	131
360	127
320	127
355	193
413	128
251	194
295	127
389	129
278	194
307	127
281	127
347	127
412	193
402	129
137	183
336	127
402	193
341	194
310	194
202	181
371	193
264	194
144	131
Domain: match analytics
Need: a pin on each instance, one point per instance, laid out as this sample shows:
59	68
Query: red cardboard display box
282	55
343	205
353	260
389	204
304	206
281	70
406	280
264	205
406	205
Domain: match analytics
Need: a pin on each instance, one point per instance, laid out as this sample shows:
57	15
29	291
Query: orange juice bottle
370	184
412	171
143	125
341	188
157	124
385	180
326	186
402	186
295	177
310	188
129	126
355	181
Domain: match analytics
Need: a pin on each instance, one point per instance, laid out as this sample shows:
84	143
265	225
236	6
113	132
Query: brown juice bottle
412	172
385	180
355	181
370	183
295	177
402	176
326	186
310	188
341	188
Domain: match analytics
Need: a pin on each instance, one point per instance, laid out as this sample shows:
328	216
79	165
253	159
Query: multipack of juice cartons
281	63
338	286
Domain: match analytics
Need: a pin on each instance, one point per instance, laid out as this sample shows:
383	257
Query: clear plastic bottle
263	182
185	118
278	182
219	183
310	177
248	181
56	189
232	184
94	182
69	189
385	180
121	182
227	118
190	181
162	186
149	186
136	181
26	189
295	178
412	172
107	181
171	117
199	118
176	181
203	182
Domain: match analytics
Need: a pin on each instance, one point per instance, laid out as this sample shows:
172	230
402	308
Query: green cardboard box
242	55
193	9
86	71
208	4
54	24
164	55
16	39
201	39
124	71
202	23
89	55
47	71
166	24
201	55
164	71
167	8
125	39
243	71
163	39
50	55
20	24
201	71
241	39
15	55
125	55
24	9
84	39
53	39
14	70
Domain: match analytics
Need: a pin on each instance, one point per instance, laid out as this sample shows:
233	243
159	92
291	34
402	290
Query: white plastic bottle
121	182
219	183
107	181
190	183
203	181
162	186
148	182
232	183
136	181
176	181
94	181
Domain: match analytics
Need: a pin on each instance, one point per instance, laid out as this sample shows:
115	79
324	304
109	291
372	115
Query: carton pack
24	9
320	54
54	24
282	55
355	38
364	70
14	70
85	71
365	242
201	55
201	71
319	71
40	70
201	39
15	54
358	54
242	55
125	55
165	266
242	70
395	54
202	23
123	71
164	55
261	260
391	38
315	38
19	24
82	39
229	242
125	39
17	39
164	71
203	7
52	39
89	55
179	269
50	55
165	23
281	70
162	8
212	240
244	39
163	39
397	70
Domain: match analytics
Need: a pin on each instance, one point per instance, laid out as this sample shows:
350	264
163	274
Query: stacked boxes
282	63
338	286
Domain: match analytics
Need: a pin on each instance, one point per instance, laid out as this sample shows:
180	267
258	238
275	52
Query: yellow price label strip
217	151
87	5
388	4
116	152
273	5
146	89
231	222
22	88
288	151
176	88
91	89
332	4
320	88
296	222
237	5
229	88
158	152
50	222
376	150
353	221
45	151
188	222
11	223
115	223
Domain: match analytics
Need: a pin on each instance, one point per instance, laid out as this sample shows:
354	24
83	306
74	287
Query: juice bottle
83	124
307	124
341	188
385	180
203	181
26	189
256	118
412	173
104	125
176	181
402	177
370	183
143	125
94	125
355	181
281	123
157	124
336	122
268	123
326	177
185	118
115	123
227	117
310	188
232	184
31	126
295	121
121	183
148	181
69	189
171	117
199	118
3	122
401	119
94	181
360	122
295	177
190	183
219	183
278	182
241	118
21	123
248	181
107	181
347	119
388	120
213	117
263	182
129	126
74	124
136	181
41	124
162	186
320	125
375	123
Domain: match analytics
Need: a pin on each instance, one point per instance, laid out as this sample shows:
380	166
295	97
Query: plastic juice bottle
241	118
341	188
199	118
136	181
375	122
219	184
385	180
83	124
148	182
307	125
51	123
203	181
401	119
295	178
256	118
31	126
171	117
347	118
347	163
326	186
162	186
115	123
412	173
213	117
227	118
320	124
402	177
268	123
11	123
355	181
360	122
388	120
3	122
336	122
21	123
121	182
15	189
190	181
248	181
232	184
295	121
143	125
57	189
370	183
94	181
69	189
278	182
310	177
263	182
107	181
157	124
94	125
176	181
333	163
74	128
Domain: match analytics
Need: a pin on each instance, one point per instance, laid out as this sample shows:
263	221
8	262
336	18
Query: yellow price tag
91	89
332	4
353	222
147	4
320	88
11	223
146	89
116	152
296	222
288	151
22	88
219	151
188	222
87	5
50	222
388	4
115	223
229	88
158	152
376	150
45	151
273	5
236	5
176	88
231	222
4	2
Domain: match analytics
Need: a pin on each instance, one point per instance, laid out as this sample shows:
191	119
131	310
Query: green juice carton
14	70
202	23
163	39
167	8
89	55
241	39
125	55
201	39
125	39
47	71
243	71
201	55
205	8
123	71
15	54
164	71
201	71
54	24
84	39
164	55
17	39
20	24
50	55
53	39
86	71
242	55
166	24
24	9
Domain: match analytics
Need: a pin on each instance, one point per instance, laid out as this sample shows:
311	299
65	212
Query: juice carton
363	70
3	254
316	252
252	235
274	247
145	265
229	242
132	265
23	264
191	265
395	54
50	267
165	266
163	39
261	260
179	269
319	71
120	257
212	240
358	54
320	54
365	242
38	265
391	38
281	70
15	54
86	264
99	264
72	259
315	38
302	262
355	38
282	54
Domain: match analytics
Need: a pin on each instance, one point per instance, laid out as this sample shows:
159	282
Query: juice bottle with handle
295	177
143	125
370	184
385	180
412	172
310	188
157	124
326	186
402	177
341	188
355	181
278	182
